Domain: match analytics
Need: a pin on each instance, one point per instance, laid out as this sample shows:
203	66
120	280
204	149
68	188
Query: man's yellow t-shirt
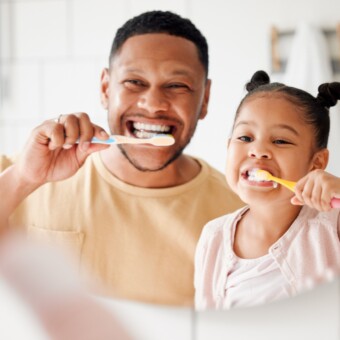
134	243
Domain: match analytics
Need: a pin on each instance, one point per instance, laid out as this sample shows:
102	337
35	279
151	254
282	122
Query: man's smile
147	130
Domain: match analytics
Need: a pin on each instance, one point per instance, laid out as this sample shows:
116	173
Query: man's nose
153	100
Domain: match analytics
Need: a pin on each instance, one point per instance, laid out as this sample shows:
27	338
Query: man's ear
104	88
206	97
320	159
228	143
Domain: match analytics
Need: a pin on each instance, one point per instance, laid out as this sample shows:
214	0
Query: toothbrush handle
335	202
118	139
111	140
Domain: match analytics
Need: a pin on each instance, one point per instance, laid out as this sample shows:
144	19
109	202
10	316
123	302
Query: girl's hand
317	189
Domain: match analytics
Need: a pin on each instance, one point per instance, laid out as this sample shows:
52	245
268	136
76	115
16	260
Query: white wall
52	53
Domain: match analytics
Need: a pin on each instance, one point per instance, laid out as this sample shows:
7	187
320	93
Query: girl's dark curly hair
315	109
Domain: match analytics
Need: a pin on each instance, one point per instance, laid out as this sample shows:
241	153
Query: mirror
52	53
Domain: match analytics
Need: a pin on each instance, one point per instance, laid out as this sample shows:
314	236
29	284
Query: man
131	214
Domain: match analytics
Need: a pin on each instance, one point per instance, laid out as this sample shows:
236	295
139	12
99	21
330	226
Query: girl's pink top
306	255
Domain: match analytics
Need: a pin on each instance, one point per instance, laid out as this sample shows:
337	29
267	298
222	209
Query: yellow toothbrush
263	175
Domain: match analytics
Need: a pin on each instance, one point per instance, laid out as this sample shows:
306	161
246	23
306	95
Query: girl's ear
320	159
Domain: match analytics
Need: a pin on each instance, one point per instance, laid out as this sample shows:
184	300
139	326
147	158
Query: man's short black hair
162	22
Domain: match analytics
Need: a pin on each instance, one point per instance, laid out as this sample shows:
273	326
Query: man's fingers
86	128
70	129
57	120
100	133
56	136
48	134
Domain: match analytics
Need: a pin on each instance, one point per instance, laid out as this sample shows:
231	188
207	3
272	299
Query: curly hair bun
329	94
259	78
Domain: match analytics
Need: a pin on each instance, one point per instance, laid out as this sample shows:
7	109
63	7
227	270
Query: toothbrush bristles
259	175
163	140
263	175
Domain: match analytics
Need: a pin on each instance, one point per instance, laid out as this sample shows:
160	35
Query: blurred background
52	53
51	56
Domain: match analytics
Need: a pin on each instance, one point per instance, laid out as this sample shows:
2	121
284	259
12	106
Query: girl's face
269	134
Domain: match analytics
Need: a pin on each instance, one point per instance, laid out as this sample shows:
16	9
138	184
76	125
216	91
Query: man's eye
245	139
178	86
133	83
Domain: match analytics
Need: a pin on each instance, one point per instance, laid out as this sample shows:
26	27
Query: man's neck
180	171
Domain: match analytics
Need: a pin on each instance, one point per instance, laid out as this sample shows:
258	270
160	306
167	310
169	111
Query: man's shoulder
218	187
5	162
224	221
212	172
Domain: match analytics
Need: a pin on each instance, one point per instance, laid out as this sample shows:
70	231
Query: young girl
280	243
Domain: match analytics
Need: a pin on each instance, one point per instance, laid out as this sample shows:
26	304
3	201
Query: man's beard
137	166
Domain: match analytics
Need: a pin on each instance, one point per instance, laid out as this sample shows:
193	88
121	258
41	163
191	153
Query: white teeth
151	127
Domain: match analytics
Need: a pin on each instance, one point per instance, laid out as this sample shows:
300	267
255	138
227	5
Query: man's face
155	84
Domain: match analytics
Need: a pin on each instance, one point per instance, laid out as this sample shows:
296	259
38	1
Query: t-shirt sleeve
5	162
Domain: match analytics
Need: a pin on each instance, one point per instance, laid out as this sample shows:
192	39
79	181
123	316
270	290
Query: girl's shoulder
312	223
221	226
310	216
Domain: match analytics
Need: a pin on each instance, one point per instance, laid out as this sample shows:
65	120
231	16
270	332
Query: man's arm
12	192
54	151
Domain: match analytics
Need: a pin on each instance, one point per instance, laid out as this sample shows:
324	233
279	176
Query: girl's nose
259	153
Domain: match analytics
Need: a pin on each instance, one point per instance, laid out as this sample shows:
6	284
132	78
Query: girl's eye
245	139
281	141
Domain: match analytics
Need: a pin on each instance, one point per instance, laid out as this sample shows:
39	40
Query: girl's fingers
299	189
295	201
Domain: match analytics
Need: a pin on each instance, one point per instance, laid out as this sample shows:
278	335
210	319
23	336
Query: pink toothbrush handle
335	202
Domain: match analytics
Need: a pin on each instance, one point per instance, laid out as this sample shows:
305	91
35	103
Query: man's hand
57	149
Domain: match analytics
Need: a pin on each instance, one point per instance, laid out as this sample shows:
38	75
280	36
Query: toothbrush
263	175
157	140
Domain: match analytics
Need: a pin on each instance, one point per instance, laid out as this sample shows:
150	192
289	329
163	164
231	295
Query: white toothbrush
157	140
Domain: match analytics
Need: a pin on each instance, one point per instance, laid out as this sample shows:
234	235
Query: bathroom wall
52	53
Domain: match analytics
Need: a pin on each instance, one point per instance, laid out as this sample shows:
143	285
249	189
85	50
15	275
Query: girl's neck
261	226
